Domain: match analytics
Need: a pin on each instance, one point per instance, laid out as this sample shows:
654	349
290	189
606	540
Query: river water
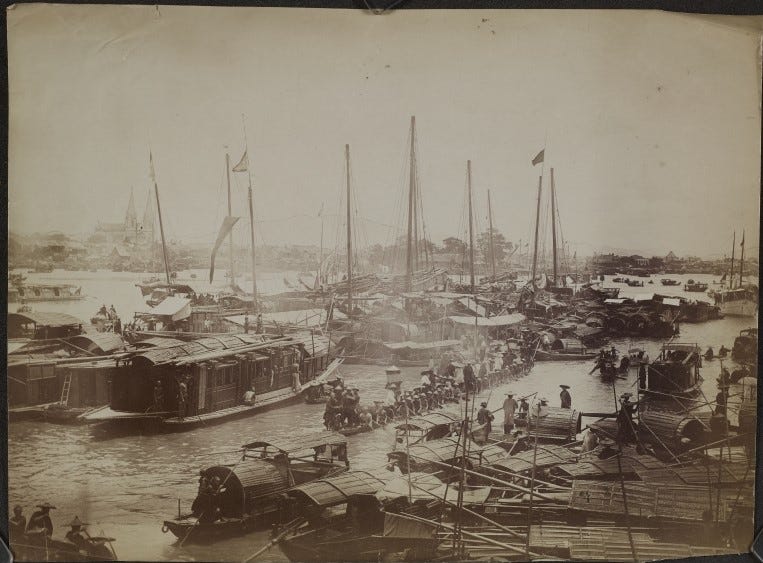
125	487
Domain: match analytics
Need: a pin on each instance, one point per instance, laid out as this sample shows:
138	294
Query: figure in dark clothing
17	522
40	520
182	399
642	376
565	397
720	403
625	431
470	381
485	417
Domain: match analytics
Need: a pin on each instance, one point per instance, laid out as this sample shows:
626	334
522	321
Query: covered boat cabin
43	326
269	467
675	371
218	372
431	426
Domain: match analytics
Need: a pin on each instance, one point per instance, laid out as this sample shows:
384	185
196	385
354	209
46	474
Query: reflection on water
126	486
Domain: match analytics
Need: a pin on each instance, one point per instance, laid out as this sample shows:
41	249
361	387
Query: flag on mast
539	157
243	164
225	228
742	243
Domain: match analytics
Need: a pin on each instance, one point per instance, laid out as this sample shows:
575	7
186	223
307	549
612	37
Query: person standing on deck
642	376
246	324
509	409
182	399
469	378
485	417
566	398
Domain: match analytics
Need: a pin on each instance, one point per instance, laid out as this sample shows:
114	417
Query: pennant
225	228
539	157
742	243
243	164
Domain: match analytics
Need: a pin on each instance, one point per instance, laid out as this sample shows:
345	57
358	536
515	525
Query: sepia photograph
300	284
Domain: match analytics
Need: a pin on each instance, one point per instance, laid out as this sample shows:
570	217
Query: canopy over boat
428	421
336	490
174	307
294	444
41	319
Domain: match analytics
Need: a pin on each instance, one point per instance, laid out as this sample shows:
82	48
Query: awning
44	319
172	306
500	320
671	301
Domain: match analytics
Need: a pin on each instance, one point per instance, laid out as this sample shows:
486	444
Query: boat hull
191	531
740	308
544	356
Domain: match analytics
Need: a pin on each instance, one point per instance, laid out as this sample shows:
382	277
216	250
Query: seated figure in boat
17	522
40	522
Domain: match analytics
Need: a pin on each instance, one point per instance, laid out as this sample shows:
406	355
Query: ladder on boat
65	389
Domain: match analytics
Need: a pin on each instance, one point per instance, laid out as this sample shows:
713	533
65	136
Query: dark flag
225	228
539	157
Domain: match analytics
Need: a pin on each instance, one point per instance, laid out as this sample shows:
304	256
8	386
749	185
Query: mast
254	258
230	212
411	186
537	220
553	225
733	248
741	261
471	227
320	258
161	223
349	233
490	221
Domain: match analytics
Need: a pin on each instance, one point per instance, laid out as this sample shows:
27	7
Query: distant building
130	231
671	258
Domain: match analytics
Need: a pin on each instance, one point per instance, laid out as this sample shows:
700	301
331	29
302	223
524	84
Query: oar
289	527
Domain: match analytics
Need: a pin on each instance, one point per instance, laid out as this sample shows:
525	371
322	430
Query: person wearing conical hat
485	417
40	520
565	397
75	535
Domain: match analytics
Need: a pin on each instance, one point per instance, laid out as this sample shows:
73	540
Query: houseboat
564	350
29	292
233	500
52	388
675	372
695	286
224	376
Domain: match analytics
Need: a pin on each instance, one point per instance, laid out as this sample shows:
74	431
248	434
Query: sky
650	120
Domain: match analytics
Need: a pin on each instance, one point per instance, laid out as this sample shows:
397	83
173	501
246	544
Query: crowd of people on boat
38	531
445	381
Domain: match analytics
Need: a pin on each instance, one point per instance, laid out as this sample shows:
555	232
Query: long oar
289	527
